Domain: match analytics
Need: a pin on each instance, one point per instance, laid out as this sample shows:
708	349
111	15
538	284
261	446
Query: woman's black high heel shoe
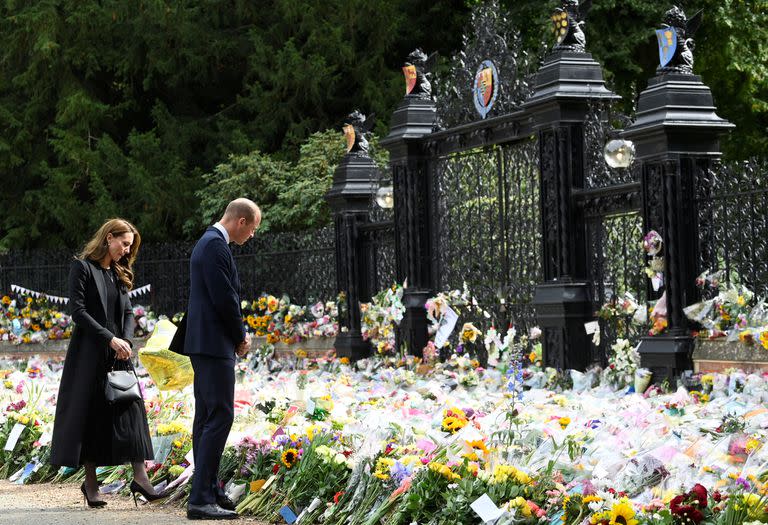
93	504
138	489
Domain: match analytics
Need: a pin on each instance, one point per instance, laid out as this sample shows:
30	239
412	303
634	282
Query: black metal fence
300	265
732	201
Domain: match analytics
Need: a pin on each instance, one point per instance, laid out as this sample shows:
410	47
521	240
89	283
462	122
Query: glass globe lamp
385	197
619	153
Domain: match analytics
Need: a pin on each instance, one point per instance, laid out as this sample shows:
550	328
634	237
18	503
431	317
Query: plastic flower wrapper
169	370
583	381
622	363
652	243
641	473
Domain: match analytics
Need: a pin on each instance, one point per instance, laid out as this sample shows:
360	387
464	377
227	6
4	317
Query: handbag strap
128	366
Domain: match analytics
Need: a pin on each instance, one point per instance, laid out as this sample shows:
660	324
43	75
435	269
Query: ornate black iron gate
486	224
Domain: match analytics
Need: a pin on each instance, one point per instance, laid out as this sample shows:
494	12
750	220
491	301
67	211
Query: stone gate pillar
568	82
413	118
350	199
676	133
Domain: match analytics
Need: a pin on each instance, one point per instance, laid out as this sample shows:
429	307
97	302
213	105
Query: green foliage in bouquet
24	415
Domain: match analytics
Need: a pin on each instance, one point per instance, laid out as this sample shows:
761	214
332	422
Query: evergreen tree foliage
121	107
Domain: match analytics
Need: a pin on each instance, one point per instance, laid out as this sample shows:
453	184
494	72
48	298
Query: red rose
674	504
699	493
275	468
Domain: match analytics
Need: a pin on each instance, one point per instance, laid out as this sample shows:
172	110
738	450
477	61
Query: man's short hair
244	208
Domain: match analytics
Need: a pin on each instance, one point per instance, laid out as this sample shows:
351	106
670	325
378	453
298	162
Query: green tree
291	194
117	107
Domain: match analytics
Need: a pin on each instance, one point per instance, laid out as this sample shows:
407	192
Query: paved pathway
62	504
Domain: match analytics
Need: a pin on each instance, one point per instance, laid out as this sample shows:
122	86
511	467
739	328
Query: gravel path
62	504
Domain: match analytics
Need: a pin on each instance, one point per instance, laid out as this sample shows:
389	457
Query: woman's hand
121	347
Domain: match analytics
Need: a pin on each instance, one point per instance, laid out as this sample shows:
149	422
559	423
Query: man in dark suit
214	335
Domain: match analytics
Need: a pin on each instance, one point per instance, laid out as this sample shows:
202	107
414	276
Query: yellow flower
177	443
29	300
564	422
288	318
502	473
752	445
764	339
344	360
453	424
469	333
383	466
6	299
290	457
24	420
272	303
478	444
174	427
622	513
600	517
443	470
707	379
741	301
591	498
520	504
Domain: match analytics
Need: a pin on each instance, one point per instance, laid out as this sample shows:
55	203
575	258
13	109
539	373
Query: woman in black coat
88	430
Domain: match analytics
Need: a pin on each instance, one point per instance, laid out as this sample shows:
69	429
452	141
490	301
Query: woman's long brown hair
96	248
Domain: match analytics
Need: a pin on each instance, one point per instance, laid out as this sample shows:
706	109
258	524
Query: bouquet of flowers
381	316
145	321
733	313
282	321
622	364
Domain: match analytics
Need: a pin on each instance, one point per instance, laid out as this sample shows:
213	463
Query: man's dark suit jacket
214	320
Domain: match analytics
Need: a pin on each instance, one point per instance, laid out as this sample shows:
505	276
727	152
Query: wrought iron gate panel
733	222
378	239
616	265
487	230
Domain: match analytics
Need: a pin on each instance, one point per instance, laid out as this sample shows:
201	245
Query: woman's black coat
86	351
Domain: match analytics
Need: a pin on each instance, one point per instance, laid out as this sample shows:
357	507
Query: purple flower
743	482
399	472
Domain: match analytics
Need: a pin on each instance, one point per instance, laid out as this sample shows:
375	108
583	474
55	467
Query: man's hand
244	346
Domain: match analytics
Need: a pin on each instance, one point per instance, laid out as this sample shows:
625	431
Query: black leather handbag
122	386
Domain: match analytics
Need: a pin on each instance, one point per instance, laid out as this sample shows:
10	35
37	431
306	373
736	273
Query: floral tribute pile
28	319
398	440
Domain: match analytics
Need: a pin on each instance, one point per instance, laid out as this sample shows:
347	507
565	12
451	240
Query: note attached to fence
447	324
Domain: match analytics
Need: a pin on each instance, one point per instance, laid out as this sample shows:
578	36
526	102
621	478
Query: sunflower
453	424
623	514
290	457
478	444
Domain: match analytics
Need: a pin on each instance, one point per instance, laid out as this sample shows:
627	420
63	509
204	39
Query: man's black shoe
209	512
225	503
